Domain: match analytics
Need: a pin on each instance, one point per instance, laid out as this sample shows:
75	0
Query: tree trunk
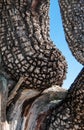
30	65
26	46
69	115
28	55
72	16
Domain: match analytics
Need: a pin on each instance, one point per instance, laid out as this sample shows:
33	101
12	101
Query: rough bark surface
69	115
32	61
73	21
26	46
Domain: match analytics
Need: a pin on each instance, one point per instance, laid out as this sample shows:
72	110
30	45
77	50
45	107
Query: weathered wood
14	113
16	88
32	104
39	109
28	51
4	96
3	101
69	115
4	126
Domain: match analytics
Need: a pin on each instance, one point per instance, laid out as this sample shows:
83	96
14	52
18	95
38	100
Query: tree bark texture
73	21
69	115
32	69
26	47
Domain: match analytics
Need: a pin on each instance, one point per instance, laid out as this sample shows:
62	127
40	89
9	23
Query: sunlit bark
32	69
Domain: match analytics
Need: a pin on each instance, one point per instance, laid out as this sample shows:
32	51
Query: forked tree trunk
28	55
33	64
52	109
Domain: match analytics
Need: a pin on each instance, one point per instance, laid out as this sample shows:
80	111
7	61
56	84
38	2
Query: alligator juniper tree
25	44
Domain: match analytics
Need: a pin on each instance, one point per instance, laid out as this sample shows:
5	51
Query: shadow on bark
32	70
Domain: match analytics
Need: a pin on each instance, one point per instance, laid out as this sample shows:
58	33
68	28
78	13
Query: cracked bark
69	115
73	22
29	55
26	47
27	51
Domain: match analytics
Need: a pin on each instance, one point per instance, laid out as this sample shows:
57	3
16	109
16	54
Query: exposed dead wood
39	107
14	91
30	105
24	113
3	98
3	101
4	126
69	115
28	51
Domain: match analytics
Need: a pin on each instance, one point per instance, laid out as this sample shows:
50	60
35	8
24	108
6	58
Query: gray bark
73	22
26	47
69	115
29	65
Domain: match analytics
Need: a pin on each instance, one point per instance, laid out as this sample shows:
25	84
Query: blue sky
58	37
